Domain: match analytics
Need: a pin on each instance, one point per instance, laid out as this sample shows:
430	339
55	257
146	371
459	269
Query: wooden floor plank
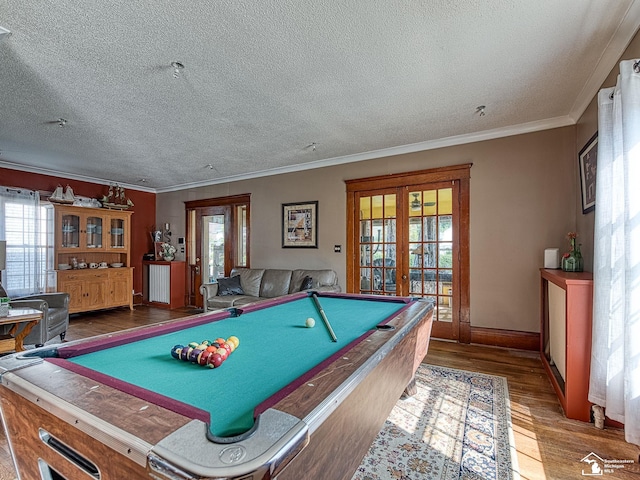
549	446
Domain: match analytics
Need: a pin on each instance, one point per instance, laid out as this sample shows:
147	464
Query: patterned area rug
458	426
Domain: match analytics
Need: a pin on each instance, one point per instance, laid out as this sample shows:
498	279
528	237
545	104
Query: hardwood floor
549	446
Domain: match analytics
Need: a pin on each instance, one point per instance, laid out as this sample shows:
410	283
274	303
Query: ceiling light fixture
177	68
480	110
61	122
4	33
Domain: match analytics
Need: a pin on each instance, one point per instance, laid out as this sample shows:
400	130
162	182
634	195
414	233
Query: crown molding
511	130
71	176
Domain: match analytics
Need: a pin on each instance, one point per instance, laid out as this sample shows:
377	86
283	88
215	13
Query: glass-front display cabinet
92	257
78	230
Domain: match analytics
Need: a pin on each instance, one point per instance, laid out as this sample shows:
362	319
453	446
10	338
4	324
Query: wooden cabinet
85	236
566	302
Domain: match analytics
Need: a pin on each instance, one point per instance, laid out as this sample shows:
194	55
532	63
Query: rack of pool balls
207	353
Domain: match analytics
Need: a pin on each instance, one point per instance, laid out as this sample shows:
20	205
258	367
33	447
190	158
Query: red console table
566	303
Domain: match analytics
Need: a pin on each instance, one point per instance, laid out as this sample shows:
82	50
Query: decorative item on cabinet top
58	196
572	261
116	199
67	196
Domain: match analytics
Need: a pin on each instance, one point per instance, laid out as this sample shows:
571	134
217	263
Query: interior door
378	242
408	236
209	239
433	251
217	241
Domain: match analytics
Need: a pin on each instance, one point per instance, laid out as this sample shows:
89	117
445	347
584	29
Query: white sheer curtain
20	226
615	353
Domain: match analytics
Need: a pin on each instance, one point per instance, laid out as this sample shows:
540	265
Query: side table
17	316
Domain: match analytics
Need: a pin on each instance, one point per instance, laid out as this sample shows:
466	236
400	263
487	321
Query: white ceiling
263	80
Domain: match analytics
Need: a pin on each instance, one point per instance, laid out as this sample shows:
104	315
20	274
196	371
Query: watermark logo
596	466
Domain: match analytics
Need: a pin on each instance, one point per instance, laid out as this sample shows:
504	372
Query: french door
412	240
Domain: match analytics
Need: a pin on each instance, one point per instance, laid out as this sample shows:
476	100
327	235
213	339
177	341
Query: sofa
248	285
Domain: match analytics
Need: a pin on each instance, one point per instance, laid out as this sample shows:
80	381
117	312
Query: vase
168	258
573	261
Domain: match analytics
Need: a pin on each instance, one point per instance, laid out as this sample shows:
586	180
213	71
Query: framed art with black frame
300	225
588	159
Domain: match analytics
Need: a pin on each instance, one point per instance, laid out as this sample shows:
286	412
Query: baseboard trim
505	338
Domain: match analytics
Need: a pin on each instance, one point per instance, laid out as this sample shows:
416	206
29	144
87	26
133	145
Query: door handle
197	270
404	277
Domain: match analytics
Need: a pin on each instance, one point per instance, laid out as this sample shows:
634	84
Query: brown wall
142	220
522	201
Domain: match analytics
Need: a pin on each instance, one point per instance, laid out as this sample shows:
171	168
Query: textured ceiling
263	80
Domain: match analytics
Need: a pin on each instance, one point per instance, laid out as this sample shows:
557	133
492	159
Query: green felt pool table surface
276	349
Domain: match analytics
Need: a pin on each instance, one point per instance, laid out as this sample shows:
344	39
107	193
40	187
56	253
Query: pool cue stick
324	317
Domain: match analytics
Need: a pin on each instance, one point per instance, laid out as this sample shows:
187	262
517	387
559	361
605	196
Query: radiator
160	283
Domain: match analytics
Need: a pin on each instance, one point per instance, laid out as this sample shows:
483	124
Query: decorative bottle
573	261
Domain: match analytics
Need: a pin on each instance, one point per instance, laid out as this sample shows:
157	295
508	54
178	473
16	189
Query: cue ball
310	322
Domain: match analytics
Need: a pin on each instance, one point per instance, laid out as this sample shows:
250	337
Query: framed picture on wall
587	158
157	247
300	225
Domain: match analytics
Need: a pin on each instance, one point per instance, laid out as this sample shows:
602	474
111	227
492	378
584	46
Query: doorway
217	241
408	235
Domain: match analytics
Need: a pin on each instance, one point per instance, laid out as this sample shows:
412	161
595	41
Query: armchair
55	316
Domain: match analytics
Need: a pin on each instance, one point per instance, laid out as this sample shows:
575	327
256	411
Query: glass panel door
213	247
70	237
94	232
430	228
117	233
378	244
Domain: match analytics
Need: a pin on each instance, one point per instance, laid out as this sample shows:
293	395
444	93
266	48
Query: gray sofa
260	283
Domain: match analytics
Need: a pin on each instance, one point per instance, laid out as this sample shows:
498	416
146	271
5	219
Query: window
23	224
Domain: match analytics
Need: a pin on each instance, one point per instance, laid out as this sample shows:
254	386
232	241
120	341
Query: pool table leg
411	389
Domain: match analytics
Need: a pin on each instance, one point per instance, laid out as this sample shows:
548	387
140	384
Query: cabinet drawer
82	275
119	273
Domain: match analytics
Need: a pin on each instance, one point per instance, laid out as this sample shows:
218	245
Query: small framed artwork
300	225
588	159
157	246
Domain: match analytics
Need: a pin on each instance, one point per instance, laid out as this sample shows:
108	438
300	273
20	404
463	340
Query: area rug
458	426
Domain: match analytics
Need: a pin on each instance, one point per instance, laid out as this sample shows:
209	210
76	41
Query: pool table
289	402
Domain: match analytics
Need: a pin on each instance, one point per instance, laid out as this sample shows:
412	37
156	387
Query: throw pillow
307	283
230	286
